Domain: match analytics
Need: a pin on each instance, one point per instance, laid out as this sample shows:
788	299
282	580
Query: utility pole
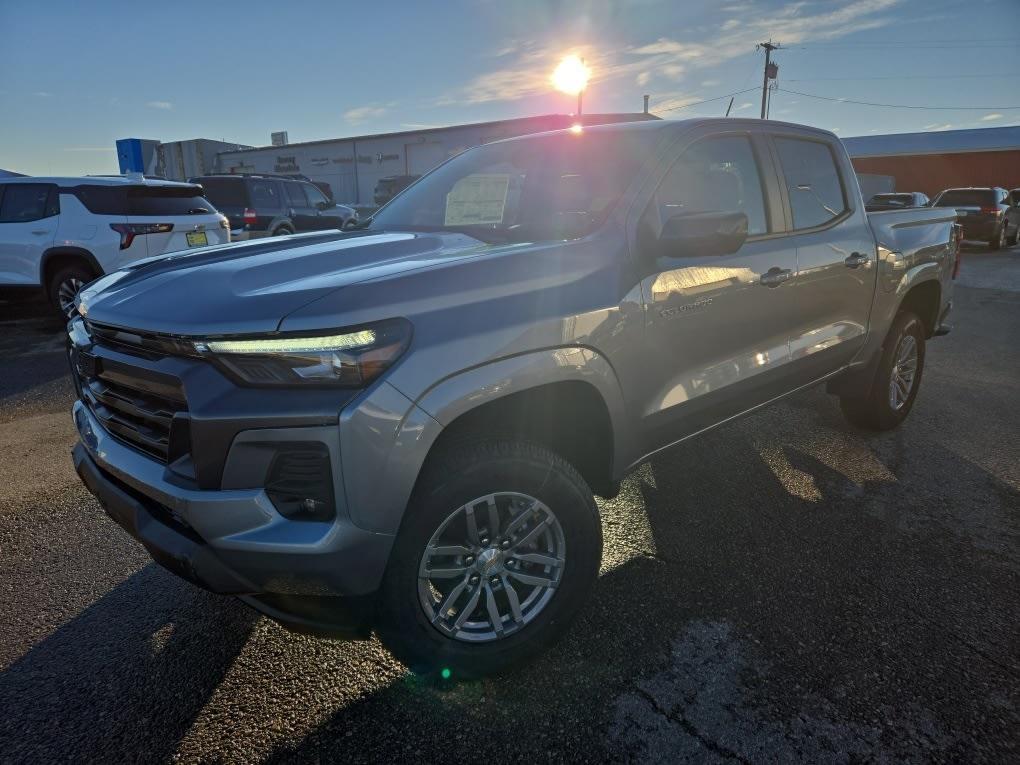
769	47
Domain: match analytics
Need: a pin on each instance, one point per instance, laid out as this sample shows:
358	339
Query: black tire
458	477
64	284
998	241
1016	235
875	411
282	231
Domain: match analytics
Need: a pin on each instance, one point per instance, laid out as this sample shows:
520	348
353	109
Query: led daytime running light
327	343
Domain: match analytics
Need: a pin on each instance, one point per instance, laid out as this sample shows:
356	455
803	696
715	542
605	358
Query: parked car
981	211
1013	217
403	426
389	187
57	234
263	205
897	201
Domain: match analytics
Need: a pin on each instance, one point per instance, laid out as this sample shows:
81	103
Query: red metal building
931	162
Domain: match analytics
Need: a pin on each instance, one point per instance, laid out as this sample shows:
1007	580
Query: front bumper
311	576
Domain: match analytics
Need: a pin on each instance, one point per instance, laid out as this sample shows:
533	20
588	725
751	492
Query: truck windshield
558	186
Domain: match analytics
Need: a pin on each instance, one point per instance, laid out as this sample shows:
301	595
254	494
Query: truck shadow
124	679
808	578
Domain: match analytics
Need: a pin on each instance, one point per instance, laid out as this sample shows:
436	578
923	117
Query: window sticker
477	200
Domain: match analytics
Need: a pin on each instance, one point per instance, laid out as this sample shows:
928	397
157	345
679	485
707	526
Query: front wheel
65	285
897	379
498	552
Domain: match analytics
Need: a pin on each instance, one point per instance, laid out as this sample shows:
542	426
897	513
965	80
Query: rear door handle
40	231
775	276
857	259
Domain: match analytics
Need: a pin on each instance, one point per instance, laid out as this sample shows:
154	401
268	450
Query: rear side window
295	194
225	192
812	180
265	194
28	201
143	200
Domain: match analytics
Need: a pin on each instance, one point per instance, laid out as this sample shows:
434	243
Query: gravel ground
784	589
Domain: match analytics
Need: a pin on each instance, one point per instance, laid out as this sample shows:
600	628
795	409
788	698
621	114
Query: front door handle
40	231
857	259
775	276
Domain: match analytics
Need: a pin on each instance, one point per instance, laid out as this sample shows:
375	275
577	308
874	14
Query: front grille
132	403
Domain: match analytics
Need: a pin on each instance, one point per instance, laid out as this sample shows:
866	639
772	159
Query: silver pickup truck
402	427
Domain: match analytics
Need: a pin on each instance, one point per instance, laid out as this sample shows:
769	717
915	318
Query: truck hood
250	287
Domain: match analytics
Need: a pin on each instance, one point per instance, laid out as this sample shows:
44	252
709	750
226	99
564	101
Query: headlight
347	359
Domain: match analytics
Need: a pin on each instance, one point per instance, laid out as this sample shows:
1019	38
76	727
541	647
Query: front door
718	327
28	226
302	214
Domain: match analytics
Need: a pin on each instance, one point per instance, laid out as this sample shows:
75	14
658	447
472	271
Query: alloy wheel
491	567
68	290
904	372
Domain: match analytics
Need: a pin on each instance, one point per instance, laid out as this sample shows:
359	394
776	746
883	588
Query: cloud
89	148
525	68
937	126
418	126
42	94
709	83
745	105
162	105
362	113
991	117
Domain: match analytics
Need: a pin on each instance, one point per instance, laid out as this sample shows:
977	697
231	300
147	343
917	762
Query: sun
571	75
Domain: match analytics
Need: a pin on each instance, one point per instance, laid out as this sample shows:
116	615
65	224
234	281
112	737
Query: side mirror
323	205
702	234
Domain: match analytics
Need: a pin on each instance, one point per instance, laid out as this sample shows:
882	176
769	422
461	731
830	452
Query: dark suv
264	205
983	213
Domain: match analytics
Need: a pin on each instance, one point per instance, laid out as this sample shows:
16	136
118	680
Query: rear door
836	254
229	196
299	208
718	327
28	226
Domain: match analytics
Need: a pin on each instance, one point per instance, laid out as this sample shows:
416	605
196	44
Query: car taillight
957	244
250	216
128	231
991	210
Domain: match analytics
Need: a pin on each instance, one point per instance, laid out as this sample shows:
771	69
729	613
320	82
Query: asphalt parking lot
784	589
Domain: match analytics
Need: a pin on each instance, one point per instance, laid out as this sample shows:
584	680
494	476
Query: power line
707	100
903	77
904	106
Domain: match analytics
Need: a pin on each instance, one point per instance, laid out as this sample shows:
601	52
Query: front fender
460	393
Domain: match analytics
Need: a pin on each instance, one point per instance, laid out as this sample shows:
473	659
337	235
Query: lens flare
571	76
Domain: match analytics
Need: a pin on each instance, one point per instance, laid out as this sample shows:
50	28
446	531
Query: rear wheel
497	554
282	231
1016	235
999	240
897	379
64	286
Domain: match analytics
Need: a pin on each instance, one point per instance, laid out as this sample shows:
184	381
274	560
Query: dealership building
934	161
351	166
927	162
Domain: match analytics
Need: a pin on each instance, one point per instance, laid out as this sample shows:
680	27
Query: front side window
315	196
542	188
812	181
713	175
26	202
295	194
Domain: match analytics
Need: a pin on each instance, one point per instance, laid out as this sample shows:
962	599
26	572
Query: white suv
61	233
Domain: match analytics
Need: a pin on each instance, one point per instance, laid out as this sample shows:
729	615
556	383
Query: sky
76	76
